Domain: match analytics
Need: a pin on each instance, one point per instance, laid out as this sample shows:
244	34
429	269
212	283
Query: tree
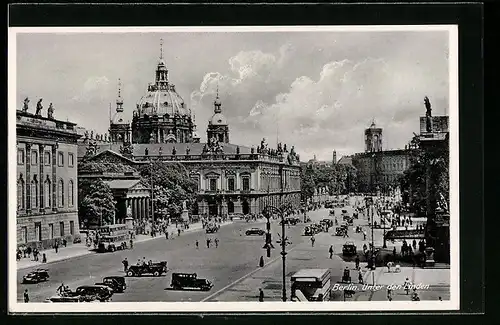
96	206
88	166
413	183
172	186
339	178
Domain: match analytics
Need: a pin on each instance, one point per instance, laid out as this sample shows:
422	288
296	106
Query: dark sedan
36	276
255	231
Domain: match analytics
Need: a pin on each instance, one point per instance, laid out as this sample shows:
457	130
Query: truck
311	285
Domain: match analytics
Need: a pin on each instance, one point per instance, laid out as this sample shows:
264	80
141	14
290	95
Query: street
233	267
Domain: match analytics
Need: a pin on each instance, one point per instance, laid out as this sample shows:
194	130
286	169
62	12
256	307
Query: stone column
147	207
28	177
134	214
41	191
158	135
55	204
142	208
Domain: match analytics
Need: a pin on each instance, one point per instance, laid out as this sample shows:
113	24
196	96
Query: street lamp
268	210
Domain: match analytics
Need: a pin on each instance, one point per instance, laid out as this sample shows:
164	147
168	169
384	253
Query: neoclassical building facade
47	195
231	178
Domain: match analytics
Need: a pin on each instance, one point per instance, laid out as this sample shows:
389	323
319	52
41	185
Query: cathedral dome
161	100
218	119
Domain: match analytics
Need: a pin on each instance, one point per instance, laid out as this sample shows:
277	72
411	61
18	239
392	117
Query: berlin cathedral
231	179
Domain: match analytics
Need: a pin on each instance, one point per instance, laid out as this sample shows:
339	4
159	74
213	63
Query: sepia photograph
298	168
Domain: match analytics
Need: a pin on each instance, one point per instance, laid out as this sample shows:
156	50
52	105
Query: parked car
57	298
106	248
328	222
100	292
349	249
156	269
255	231
36	276
211	228
291	221
182	281
116	283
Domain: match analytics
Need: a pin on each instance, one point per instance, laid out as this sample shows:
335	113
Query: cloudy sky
315	90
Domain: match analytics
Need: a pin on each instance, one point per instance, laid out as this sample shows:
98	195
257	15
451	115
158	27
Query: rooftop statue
428	107
238	150
174	151
188	150
86	134
39	107
50	112
25	104
252	150
91	134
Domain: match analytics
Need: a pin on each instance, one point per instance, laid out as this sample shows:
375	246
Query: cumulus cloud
95	88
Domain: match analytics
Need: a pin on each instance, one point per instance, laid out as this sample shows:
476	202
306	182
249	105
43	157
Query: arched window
20	193
71	197
34	193
47	194
60	193
34	157
46	158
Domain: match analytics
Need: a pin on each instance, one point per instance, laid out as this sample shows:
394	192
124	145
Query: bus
311	285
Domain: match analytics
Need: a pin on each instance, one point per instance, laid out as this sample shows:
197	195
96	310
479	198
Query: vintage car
58	298
255	231
211	228
182	281
156	269
117	283
349	249
340	231
291	221
99	292
106	248
309	231
332	212
328	222
38	275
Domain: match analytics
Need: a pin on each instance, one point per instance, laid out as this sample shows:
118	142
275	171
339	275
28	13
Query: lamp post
268	210
152	192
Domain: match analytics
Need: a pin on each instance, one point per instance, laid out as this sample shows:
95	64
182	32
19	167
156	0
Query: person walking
26	296
131	244
357	262
261	261
197	244
44	258
125	265
208	242
216	242
360	278
261	295
312	241
56	246
331	251
389	293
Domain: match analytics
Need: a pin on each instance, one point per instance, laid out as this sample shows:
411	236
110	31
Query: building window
71	160
61	228
71	227
196	180
230	184
60	193
20	156
71	191
51	231
47	194
38	231
34	157
46	158
20	194
34	193
230	207
246	184
60	159
213	184
24	234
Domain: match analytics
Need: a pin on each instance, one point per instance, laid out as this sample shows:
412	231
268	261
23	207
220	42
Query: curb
92	252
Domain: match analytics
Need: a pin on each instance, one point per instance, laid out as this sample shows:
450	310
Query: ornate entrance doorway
246	207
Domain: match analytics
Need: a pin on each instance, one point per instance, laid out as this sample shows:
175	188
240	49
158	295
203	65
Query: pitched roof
346	160
122	183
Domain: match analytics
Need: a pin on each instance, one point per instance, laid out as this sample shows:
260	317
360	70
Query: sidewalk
77	250
430	284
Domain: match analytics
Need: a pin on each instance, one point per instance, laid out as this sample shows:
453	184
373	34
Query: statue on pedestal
25	104
238	150
39	107
428	114
174	151
50	112
92	135
188	150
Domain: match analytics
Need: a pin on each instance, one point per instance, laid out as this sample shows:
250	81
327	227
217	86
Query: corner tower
217	124
119	126
373	138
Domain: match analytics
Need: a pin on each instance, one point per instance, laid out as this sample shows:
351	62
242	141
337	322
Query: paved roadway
236	256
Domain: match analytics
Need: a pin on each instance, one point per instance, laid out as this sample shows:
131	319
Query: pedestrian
407	285
29	250
208	242
440	299
389	293
65	242
166	234
125	265
56	246
144	261
178	232
357	262
131	244
216	242
364	235
44	258
261	295
414	244
360	278
197	244
312	241
331	251
26	296
261	261
60	289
